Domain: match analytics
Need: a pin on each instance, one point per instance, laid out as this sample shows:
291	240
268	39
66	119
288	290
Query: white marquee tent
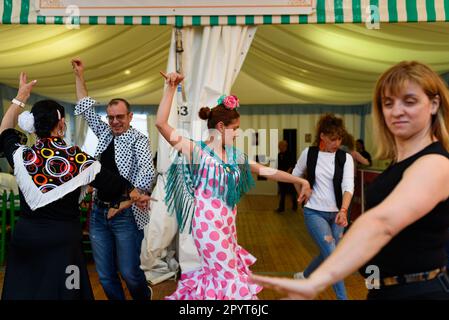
291	70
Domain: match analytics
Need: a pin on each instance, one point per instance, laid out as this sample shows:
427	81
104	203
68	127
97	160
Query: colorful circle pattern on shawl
51	162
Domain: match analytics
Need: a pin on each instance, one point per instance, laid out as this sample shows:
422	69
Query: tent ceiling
291	64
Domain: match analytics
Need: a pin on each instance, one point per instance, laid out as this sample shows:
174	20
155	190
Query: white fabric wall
153	133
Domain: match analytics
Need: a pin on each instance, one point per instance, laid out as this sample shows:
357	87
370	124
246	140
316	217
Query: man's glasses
119	117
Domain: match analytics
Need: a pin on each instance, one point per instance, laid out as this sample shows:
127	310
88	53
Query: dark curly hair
329	125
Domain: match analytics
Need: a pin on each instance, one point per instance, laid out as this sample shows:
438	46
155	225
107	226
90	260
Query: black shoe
279	210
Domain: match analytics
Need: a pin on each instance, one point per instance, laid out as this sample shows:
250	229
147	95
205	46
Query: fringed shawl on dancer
233	179
50	169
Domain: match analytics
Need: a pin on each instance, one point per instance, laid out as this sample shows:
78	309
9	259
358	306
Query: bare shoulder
431	163
422	187
431	170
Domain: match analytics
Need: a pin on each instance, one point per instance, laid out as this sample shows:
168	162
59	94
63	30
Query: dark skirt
46	262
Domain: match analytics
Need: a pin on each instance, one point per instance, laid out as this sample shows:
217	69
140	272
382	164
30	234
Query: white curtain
153	134
158	250
212	59
81	131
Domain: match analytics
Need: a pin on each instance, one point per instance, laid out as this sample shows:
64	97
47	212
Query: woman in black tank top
399	243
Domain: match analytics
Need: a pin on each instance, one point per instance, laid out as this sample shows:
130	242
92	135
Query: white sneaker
299	275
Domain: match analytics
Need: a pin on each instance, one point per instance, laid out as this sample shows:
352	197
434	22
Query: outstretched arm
301	185
163	112
10	118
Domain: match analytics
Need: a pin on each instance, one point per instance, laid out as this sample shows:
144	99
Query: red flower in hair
230	102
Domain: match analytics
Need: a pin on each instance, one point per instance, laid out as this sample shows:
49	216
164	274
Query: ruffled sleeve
83	105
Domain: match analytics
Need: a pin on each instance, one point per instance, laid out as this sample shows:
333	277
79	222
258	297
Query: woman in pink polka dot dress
204	185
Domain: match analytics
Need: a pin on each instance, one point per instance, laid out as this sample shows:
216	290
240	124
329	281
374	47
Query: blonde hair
394	81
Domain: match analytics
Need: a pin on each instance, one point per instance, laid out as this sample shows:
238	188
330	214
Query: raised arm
422	187
10	118
85	103
163	112
78	70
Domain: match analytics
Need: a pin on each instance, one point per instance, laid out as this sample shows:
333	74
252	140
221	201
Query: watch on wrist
18	102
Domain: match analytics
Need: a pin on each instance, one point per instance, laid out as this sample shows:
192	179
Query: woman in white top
330	172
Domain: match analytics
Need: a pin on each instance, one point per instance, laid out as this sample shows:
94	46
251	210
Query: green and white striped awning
327	11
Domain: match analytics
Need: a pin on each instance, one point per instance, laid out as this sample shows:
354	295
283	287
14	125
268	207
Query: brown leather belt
413	277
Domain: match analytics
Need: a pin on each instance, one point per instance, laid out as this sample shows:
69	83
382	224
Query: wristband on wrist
18	102
344	210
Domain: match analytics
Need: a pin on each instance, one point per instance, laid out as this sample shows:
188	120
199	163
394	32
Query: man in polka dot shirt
117	241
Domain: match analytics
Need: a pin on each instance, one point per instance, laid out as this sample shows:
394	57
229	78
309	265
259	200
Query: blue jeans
326	234
116	245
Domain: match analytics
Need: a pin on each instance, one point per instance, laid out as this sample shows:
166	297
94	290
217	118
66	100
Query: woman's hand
294	289
78	67
135	197
172	78
11	115
24	88
112	212
342	218
306	191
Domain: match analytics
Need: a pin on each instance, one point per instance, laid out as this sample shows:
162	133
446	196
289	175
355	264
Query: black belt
413	277
103	204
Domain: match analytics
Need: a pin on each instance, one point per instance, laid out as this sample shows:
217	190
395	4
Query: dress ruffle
218	283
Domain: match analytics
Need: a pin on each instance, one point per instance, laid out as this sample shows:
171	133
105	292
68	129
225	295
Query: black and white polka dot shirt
132	153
